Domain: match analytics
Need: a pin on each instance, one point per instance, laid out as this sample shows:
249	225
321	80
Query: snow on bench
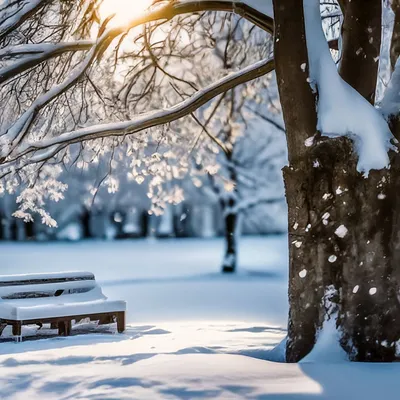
56	298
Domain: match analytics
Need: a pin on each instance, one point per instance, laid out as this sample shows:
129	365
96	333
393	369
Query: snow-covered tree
341	193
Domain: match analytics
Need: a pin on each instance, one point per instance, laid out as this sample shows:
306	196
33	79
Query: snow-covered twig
10	23
145	121
20	128
30	55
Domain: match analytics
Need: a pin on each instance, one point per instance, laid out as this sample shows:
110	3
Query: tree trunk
342	236
231	224
85	222
344	240
395	44
361	35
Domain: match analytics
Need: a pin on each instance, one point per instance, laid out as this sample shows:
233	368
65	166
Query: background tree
249	168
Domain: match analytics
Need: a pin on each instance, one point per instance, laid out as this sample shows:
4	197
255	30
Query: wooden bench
57	299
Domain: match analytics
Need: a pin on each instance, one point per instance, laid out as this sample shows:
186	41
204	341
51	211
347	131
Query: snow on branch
20	128
259	12
342	111
30	55
17	132
147	120
12	19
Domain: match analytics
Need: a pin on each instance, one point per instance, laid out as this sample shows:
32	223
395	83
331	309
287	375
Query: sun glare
124	10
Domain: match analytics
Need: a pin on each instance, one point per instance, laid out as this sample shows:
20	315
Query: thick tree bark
297	100
343	228
361	35
298	106
395	44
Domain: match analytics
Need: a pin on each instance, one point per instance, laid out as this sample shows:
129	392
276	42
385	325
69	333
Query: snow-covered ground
171	280
192	334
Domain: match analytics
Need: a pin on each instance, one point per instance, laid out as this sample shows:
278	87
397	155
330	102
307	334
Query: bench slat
42	281
68	286
45	310
48	293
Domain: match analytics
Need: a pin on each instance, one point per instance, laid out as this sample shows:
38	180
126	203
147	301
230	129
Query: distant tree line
183	221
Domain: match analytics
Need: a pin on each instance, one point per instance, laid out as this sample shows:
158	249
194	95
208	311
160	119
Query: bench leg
106	319
64	328
121	322
3	326
17	331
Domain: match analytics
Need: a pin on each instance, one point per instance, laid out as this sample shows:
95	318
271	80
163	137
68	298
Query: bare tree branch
28	8
147	120
36	54
21	127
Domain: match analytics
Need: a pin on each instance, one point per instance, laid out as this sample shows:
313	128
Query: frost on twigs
149	79
37	188
342	111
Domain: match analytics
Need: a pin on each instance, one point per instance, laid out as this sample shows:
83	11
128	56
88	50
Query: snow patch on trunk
341	231
230	259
